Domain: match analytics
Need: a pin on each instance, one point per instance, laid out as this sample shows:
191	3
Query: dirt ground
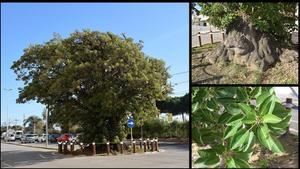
204	72
263	158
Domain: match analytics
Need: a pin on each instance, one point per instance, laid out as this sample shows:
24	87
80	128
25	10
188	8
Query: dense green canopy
92	79
174	105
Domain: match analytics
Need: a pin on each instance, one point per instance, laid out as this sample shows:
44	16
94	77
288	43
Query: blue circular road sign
130	123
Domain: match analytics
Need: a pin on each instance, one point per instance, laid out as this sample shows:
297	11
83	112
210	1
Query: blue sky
163	27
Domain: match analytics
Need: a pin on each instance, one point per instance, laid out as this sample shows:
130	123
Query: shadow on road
23	158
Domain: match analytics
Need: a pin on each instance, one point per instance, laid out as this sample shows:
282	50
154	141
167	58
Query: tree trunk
247	46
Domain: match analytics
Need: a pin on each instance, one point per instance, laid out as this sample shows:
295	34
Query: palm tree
33	122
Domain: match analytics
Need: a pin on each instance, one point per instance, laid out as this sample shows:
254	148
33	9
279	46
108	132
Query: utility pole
46	126
7	126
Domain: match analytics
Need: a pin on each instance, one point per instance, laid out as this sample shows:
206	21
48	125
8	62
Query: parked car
10	137
35	137
19	134
52	137
3	135
64	137
42	138
28	138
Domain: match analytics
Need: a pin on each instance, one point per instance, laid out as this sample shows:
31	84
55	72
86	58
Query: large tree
175	105
92	79
255	32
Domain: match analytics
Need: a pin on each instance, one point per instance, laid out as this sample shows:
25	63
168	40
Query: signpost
130	124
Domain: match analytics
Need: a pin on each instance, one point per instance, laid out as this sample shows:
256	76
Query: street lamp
47	126
7	114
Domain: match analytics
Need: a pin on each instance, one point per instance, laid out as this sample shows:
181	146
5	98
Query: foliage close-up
228	121
94	80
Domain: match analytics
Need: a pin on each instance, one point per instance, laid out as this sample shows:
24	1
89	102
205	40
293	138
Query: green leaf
233	109
249	120
247	109
195	107
224	118
230	163
261	98
265	106
230	131
241	94
270	118
251	135
256	92
235	119
212	160
276	145
272	106
241	163
240	140
219	148
263	135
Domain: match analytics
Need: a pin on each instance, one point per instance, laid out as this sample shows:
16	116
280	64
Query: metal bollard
152	146
211	38
59	147
148	144
199	38
107	148
133	146
156	144
93	148
145	146
72	148
81	147
288	103
65	148
223	36
141	143
121	147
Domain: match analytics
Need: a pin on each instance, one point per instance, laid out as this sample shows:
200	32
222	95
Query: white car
35	137
10	137
3	135
28	138
19	134
42	138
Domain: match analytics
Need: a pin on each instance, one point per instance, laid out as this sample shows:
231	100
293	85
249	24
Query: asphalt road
170	156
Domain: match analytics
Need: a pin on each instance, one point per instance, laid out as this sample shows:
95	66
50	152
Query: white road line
6	164
21	162
42	156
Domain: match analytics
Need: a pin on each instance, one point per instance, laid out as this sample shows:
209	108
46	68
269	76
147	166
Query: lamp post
7	114
47	126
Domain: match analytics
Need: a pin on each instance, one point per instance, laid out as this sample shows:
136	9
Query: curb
30	146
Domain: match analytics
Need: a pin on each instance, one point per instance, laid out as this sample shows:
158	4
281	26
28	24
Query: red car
64	137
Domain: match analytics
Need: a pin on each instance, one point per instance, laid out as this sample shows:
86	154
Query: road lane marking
6	164
21	162
42	156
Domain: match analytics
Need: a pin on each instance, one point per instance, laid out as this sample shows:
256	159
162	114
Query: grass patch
204	48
